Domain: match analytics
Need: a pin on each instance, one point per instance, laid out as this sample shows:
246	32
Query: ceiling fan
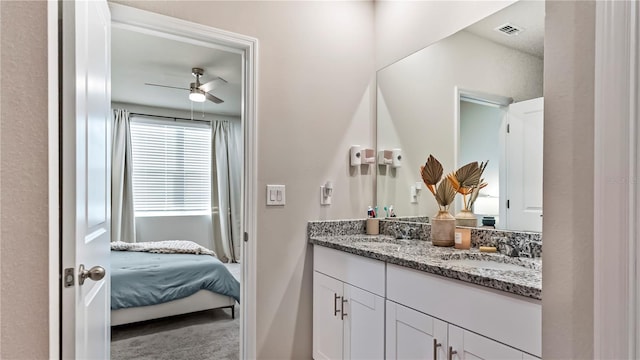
199	92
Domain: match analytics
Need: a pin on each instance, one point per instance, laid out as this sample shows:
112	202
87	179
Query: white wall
417	107
315	99
196	228
404	27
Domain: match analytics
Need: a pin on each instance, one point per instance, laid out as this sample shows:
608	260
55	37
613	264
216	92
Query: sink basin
488	264
491	262
379	245
382	242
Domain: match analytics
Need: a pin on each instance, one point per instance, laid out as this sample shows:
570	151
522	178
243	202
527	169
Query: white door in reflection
524	144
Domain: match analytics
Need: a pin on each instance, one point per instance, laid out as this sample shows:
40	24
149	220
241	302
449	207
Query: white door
466	345
413	335
363	314
524	165
86	158
327	317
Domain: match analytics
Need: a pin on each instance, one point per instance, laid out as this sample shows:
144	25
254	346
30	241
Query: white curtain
123	225
227	152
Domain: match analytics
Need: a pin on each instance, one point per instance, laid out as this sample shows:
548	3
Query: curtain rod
173	117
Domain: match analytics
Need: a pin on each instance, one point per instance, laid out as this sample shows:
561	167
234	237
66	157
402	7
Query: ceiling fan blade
166	86
216	100
212	84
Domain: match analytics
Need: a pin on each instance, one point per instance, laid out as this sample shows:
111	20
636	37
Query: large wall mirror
473	96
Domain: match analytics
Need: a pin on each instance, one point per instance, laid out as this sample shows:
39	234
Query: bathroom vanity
376	296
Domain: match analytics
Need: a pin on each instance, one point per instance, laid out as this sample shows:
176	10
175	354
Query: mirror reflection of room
473	96
176	180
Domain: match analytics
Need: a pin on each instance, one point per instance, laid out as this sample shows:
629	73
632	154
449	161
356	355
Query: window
171	167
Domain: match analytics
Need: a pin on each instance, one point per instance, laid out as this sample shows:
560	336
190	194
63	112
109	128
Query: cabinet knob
451	352
436	345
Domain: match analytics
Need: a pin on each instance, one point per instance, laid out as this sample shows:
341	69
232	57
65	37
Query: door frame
152	23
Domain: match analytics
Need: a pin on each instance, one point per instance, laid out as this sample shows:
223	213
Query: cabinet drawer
510	319
367	274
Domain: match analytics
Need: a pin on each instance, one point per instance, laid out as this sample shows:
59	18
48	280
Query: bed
148	285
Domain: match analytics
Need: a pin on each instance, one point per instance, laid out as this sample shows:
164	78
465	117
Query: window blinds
171	167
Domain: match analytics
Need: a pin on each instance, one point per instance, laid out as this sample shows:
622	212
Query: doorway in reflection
481	139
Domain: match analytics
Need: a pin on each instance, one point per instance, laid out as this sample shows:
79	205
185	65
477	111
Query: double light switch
275	195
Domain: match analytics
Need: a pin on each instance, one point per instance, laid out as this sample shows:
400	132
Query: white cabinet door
413	335
467	345
363	313
327	322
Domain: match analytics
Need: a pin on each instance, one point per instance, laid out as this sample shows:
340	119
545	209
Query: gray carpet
210	334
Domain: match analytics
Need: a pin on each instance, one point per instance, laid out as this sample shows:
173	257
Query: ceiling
138	58
527	14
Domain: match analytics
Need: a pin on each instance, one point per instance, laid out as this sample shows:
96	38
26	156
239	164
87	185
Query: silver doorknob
95	273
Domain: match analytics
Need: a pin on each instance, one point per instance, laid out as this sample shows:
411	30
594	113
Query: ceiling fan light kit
199	92
197	95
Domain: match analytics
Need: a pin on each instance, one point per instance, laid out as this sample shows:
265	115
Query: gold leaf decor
445	194
431	174
432	171
467	181
468	175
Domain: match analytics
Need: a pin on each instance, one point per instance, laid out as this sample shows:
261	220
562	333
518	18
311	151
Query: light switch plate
275	195
324	200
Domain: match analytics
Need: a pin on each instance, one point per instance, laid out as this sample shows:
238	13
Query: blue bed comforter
142	278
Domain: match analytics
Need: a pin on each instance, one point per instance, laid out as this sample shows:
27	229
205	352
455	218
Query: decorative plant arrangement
468	181
441	189
443	225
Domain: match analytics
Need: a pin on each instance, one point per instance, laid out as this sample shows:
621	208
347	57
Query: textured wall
24	267
567	273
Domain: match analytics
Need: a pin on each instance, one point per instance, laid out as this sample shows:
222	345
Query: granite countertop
521	276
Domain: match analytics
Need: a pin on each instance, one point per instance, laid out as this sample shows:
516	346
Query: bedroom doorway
183	125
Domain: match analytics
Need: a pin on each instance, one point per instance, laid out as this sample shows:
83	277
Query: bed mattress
142	278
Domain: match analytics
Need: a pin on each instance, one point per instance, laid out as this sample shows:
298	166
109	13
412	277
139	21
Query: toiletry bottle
370	212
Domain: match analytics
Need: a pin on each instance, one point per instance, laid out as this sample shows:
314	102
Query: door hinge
69	277
508	128
507	204
246	236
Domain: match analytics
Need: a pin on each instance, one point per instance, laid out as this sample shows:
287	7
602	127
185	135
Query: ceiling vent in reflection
509	29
